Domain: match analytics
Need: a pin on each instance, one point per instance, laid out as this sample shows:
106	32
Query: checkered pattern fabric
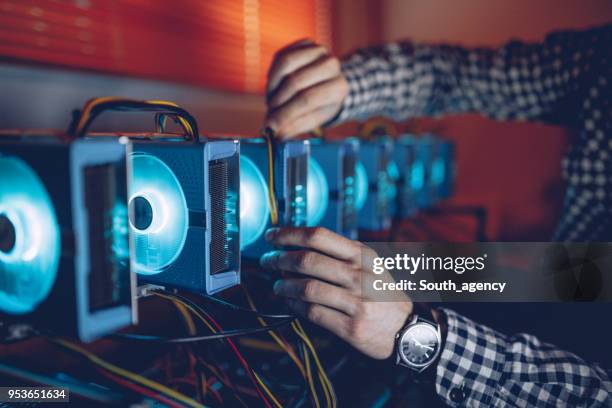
566	81
480	367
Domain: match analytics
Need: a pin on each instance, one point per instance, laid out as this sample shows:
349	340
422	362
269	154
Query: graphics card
443	168
424	188
64	242
373	172
184	202
332	187
410	176
290	182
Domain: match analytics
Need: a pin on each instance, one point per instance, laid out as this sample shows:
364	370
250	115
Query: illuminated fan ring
392	179
438	170
160	244
254	205
159	211
31	265
317	193
361	185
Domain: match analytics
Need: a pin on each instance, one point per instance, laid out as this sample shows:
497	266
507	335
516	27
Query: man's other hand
326	287
306	89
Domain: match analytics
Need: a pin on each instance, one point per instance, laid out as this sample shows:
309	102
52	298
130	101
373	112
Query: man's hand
306	89
327	289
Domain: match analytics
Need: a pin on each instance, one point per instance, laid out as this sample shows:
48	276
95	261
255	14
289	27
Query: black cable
194	339
232	306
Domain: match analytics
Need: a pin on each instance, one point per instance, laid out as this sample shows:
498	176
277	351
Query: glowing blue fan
317	193
391	179
30	241
254	205
159	218
361	185
417	175
438	171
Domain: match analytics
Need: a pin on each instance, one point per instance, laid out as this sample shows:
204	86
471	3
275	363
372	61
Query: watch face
419	345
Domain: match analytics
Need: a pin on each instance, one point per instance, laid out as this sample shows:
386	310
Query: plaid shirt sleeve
566	80
480	367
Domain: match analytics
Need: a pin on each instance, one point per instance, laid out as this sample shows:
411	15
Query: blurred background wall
511	168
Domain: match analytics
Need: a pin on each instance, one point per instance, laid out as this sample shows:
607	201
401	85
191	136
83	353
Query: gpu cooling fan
64	244
254	204
30	239
159	218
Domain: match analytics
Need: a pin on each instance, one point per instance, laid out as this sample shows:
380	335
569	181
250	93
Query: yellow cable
309	377
276	338
127	374
327	385
368	129
191	328
324	384
269	136
188	306
322	374
86	112
266	345
182	120
267	390
212	329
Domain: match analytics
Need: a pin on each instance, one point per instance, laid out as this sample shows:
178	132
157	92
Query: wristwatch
418	343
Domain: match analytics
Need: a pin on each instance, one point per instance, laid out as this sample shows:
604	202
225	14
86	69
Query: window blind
217	44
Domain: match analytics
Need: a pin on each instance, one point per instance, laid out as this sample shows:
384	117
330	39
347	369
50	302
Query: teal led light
254	205
120	245
30	236
417	175
392	178
159	218
299	206
318	193
361	185
438	171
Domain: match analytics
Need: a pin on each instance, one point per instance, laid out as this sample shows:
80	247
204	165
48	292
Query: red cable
141	390
242	361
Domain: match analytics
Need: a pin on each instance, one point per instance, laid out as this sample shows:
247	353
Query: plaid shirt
480	367
567	81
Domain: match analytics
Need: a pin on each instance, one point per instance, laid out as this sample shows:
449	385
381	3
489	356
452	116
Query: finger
317	96
320	293
317	238
307	123
288	48
321	70
330	319
292	60
313	264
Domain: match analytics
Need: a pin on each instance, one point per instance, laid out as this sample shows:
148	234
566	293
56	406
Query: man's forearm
481	367
516	81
